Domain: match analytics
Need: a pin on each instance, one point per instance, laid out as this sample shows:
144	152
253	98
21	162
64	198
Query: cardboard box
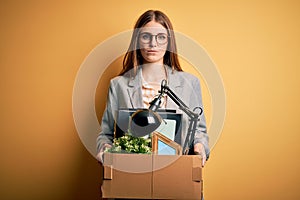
142	176
127	176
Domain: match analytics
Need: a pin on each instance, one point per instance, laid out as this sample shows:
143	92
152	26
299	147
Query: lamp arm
194	117
179	103
172	95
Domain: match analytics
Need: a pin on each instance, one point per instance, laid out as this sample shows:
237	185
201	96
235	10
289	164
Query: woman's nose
153	42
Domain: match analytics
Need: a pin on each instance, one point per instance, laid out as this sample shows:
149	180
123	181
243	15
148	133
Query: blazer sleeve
106	134
201	130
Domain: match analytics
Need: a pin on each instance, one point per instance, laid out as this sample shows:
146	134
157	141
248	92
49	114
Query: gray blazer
126	92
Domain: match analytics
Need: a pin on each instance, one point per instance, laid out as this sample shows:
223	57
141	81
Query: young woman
151	58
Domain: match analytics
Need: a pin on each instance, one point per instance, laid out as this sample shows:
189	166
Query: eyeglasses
161	38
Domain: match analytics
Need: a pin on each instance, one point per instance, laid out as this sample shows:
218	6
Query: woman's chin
153	59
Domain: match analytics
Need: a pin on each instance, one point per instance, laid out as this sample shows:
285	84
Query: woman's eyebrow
151	33
145	32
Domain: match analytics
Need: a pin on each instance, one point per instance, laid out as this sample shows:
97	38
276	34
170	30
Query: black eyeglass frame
151	38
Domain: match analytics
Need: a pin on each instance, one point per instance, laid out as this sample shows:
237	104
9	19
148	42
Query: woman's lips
151	51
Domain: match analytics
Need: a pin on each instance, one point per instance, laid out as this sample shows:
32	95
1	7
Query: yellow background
255	45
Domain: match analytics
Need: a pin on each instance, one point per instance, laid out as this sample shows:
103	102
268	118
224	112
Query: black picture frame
123	116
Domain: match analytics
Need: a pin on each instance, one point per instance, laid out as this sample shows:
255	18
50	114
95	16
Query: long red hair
133	57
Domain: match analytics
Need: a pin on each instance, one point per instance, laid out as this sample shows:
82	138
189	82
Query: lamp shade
143	122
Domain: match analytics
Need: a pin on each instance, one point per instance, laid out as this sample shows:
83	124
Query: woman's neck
154	72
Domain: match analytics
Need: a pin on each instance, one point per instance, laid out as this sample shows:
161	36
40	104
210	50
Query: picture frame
123	117
162	145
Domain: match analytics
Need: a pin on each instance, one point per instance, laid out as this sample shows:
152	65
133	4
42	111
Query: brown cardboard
152	176
127	176
181	179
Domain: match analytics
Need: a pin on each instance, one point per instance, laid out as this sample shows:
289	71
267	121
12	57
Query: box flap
107	172
197	169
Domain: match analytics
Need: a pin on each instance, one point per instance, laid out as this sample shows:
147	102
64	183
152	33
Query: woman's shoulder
186	76
123	80
119	80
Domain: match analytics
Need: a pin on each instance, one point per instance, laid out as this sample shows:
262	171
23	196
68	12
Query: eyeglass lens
161	38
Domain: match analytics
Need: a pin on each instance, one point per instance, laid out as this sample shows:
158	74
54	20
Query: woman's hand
200	150
101	152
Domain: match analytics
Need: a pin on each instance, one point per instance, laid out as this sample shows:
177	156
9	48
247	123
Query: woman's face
153	42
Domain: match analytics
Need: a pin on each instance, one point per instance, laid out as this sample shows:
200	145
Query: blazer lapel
134	91
174	82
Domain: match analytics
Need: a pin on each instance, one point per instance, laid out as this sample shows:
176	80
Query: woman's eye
161	37
146	36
